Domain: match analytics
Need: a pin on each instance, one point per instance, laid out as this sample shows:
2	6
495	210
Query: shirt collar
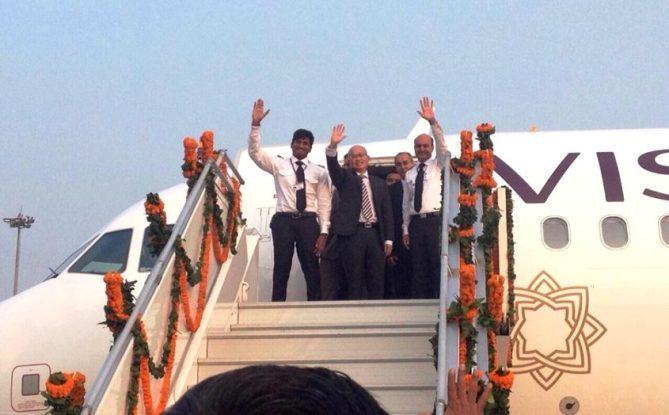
294	161
366	173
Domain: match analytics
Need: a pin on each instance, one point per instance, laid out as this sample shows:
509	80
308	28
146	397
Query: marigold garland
65	393
159	232
215	236
502	379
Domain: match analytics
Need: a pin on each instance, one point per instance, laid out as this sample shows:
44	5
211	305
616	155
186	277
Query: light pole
19	222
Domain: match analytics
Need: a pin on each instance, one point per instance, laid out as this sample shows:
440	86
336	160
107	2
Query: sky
95	97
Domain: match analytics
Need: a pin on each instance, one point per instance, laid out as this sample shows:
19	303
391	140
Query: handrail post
442	399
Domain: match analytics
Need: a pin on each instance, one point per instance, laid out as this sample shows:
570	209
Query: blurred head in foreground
277	390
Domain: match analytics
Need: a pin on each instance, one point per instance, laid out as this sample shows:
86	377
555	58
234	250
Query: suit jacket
349	185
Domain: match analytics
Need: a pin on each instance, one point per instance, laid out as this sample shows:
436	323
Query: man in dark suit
398	268
363	221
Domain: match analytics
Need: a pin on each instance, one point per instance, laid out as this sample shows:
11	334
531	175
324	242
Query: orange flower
466	150
467	199
466	233
471	313
113	281
485	128
59	390
503	380
207	143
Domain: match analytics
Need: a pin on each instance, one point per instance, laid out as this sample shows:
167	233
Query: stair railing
187	224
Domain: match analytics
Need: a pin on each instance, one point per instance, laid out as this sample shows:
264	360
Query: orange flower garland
194	323
207	144
65	392
503	380
190	157
495	297
113	282
485	179
60	390
182	268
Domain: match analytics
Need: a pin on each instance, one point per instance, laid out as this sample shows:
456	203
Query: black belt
297	215
425	215
368	225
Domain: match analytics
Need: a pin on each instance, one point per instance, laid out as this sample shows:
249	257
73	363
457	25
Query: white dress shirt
316	180
365	182
431	201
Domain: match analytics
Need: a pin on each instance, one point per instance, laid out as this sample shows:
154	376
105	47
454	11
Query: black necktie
301	193
418	193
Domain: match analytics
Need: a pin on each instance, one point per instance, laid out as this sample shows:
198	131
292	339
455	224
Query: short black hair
277	390
302	133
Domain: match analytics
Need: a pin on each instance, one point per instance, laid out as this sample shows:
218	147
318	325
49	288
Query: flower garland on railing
492	314
465	309
159	232
65	393
120	302
214	237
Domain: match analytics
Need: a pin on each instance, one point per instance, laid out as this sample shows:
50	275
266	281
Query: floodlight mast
19	222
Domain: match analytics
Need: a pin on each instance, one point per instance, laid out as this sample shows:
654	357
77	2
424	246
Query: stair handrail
442	399
95	394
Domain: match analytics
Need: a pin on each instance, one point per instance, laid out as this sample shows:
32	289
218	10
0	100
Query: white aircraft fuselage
591	230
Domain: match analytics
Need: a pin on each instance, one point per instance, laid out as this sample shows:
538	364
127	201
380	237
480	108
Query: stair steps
383	345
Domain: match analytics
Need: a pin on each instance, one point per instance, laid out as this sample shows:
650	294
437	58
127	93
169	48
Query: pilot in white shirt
421	207
303	206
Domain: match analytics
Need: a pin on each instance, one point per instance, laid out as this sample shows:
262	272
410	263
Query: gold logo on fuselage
554	330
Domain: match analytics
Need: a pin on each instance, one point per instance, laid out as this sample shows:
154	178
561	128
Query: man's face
393	178
301	147
359	159
403	163
423	147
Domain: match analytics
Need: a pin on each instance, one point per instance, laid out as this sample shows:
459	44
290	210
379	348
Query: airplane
591	230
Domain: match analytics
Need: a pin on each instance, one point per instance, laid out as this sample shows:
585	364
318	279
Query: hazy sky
96	96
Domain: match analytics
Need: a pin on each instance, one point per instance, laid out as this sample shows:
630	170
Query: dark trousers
289	233
398	273
363	262
425	240
333	282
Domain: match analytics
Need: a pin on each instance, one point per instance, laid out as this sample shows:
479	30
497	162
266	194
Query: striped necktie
367	209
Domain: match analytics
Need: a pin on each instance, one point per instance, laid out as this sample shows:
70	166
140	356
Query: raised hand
337	135
258	112
427	110
463	398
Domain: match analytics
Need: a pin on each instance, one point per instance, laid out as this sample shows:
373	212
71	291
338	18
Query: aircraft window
109	253
30	385
146	259
71	258
614	232
555	233
664	229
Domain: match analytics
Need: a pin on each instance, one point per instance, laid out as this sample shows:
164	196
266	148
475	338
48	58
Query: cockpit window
664	229
614	232
109	253
555	233
147	259
66	263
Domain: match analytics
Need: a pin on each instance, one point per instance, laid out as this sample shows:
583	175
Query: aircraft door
27	383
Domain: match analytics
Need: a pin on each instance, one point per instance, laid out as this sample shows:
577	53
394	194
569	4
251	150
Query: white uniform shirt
431	201
316	180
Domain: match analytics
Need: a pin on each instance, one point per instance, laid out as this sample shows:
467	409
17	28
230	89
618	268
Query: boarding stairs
382	344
